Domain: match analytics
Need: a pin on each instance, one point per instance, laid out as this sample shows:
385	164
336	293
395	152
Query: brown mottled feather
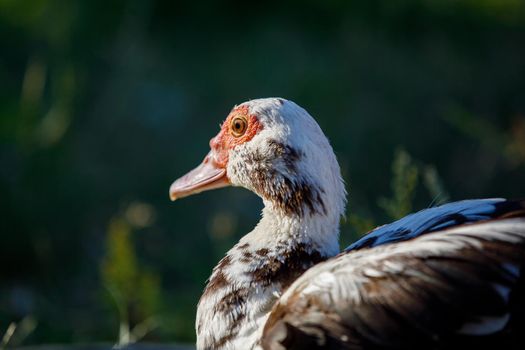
420	306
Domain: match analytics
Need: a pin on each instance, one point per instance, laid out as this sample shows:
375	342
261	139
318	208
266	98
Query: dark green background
104	103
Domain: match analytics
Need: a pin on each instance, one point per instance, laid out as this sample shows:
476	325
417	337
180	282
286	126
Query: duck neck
246	283
279	230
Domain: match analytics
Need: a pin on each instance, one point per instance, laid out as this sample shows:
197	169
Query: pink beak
207	176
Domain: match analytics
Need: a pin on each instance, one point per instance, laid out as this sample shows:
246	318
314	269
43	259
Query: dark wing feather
463	285
439	218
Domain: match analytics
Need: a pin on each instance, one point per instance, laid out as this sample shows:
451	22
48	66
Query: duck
442	278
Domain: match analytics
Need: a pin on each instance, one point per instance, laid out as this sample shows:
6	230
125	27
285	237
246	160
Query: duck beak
207	176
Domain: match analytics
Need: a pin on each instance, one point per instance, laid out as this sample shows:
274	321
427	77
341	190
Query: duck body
443	278
438	278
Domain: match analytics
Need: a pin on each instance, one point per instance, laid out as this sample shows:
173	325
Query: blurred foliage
134	290
16	333
434	185
406	174
104	103
511	143
404	181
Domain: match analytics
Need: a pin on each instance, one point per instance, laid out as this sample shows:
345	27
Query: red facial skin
211	173
225	140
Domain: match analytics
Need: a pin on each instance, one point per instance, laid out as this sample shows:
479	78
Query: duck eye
238	126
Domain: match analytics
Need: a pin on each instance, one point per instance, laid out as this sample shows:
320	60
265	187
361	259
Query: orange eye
239	126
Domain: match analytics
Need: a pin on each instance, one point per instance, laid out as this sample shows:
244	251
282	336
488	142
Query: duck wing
449	285
438	218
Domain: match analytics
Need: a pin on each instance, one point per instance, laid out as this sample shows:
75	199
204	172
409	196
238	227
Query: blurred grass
134	290
407	177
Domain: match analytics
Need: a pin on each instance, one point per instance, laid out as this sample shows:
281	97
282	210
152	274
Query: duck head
276	149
